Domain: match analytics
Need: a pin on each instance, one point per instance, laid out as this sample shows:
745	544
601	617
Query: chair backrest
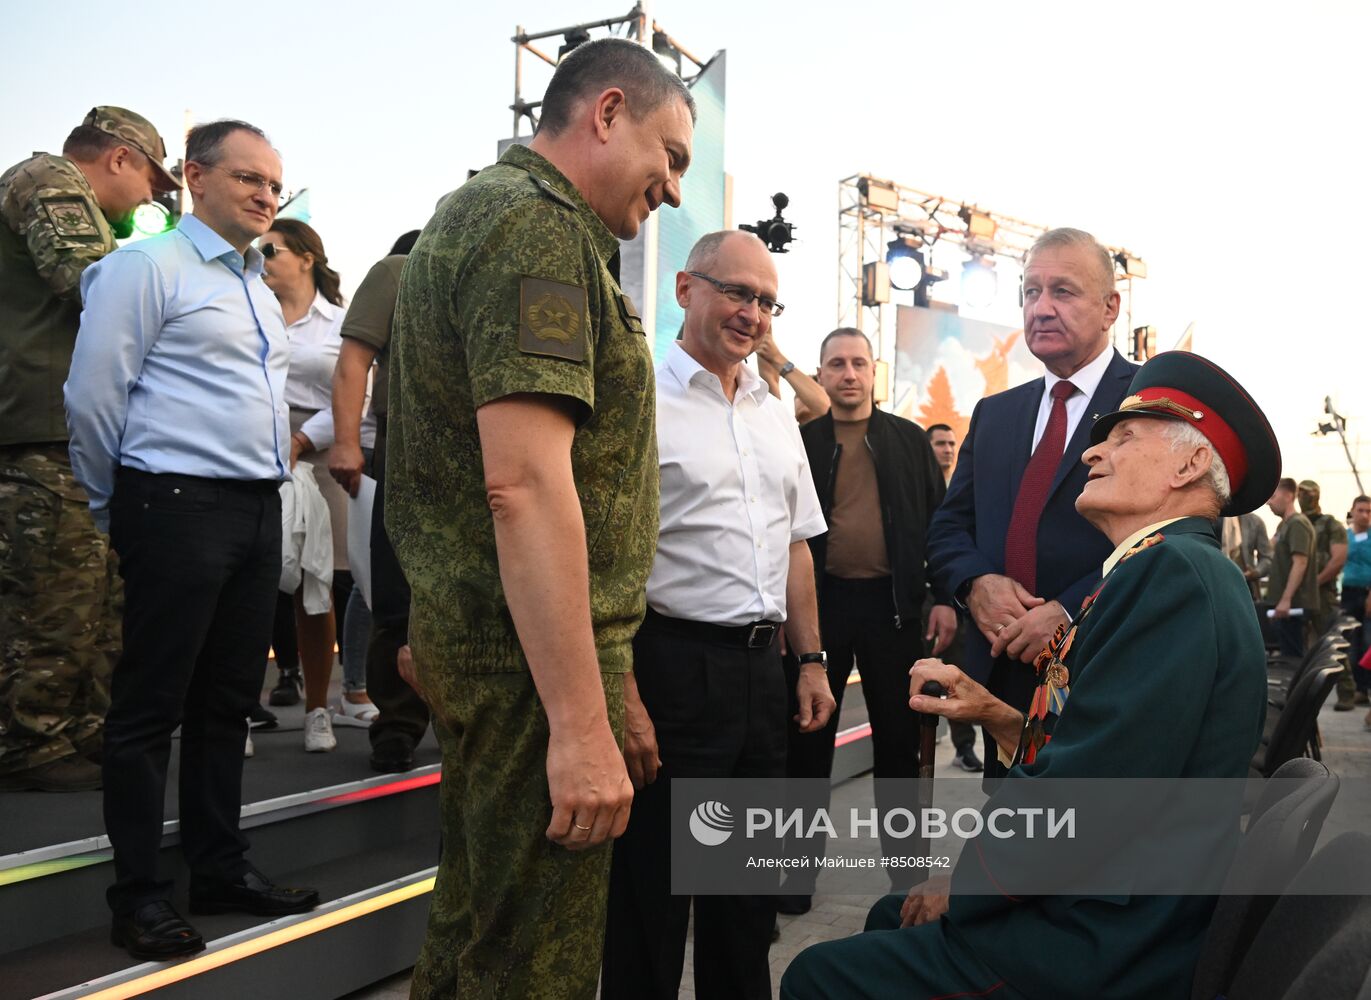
1295	726
1281	834
1331	650
1312	944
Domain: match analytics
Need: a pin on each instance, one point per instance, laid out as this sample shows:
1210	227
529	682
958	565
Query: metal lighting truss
873	210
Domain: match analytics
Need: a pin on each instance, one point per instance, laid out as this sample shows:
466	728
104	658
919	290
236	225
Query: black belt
755	635
128	472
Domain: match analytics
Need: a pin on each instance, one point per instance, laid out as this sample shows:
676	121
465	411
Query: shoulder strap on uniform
553	193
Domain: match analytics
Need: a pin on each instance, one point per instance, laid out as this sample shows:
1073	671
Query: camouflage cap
1308	486
138	132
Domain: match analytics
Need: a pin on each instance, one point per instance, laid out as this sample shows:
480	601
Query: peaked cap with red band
1178	385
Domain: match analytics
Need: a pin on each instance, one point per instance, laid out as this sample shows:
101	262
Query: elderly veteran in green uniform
522	503
1169	634
60	638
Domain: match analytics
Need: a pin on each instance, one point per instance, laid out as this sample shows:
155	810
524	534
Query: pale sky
1221	142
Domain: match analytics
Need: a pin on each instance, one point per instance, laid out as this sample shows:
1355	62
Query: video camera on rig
774	232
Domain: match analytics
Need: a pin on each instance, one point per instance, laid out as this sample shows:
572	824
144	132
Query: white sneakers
319	731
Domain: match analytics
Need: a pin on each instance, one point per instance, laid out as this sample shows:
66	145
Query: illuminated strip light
852	735
55	867
380	791
59	861
168	975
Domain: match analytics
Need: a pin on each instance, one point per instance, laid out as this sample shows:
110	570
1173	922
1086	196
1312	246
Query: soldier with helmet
58	214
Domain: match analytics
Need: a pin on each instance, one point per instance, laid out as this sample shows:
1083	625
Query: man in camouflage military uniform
1330	548
522	503
58	587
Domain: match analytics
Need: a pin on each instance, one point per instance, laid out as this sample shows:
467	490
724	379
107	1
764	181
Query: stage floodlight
979	225
573	38
152	218
1144	343
1130	265
905	256
880	389
879	195
979	282
667	54
875	283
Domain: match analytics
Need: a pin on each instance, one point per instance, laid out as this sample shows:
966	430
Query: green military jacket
1168	680
513	288
1294	537
51	229
1328	531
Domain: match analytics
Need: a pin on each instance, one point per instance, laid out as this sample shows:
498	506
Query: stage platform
368	842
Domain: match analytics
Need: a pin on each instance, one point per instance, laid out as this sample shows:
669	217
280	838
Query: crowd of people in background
184	422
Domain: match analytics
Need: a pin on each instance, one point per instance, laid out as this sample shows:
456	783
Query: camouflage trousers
513	915
60	600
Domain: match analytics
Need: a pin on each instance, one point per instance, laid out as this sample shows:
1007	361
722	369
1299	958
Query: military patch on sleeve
71	218
552	319
632	318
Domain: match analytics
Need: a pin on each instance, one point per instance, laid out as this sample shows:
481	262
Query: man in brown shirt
878	483
1291	589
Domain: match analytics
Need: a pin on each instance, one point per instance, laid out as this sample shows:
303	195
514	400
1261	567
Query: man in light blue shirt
179	435
1356	590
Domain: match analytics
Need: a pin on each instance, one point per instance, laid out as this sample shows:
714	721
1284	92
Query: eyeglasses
270	250
741	294
254	181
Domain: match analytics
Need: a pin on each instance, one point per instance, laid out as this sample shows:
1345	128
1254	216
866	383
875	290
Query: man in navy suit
1007	540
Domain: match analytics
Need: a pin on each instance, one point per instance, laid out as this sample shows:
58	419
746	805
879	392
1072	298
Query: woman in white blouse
308	289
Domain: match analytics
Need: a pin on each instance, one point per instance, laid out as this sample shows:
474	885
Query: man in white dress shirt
707	695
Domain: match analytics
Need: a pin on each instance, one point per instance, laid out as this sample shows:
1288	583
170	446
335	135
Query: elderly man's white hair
1182	436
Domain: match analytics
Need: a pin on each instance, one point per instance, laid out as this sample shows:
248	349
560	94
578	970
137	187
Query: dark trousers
857	621
1354	603
284	641
201	560
402	715
720	712
1291	632
963	733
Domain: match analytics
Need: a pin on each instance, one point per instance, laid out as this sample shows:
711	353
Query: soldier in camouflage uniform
58	588
522	503
1330	548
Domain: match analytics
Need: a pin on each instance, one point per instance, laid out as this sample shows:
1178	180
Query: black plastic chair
1329	650
1293	732
1281	833
1314	944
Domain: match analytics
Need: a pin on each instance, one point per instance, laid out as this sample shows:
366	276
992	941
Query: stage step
369	846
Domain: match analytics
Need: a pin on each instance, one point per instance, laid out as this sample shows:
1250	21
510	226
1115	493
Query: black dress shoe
287	689
392	757
251	893
155	931
793	906
260	718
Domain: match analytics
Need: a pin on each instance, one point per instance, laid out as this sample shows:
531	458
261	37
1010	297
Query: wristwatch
787	368
820	657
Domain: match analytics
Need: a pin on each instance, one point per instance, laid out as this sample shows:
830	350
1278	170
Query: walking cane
928	734
928	738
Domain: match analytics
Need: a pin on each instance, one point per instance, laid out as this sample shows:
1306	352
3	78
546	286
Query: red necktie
1021	544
